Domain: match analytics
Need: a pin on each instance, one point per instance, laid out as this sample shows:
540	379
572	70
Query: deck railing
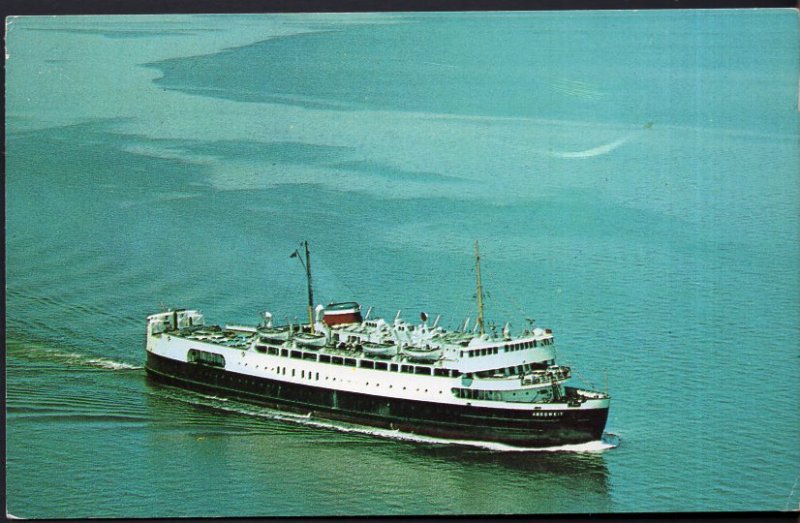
536	378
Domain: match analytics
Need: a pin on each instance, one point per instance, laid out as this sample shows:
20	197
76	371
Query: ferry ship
411	376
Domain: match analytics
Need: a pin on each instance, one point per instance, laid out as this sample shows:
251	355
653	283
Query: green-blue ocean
631	176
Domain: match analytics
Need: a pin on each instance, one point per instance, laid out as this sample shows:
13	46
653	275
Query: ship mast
480	288
307	267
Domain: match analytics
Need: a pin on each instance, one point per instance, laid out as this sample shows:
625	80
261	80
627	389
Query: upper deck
422	349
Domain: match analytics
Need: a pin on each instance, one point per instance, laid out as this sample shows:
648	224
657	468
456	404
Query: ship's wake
102	363
85	360
66	358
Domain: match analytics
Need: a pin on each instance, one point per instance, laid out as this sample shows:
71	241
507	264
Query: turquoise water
632	178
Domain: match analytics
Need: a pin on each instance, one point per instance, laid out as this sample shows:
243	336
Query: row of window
481	352
477	394
516	370
315	377
206	358
380	365
233	378
353	362
520	346
282	372
509	347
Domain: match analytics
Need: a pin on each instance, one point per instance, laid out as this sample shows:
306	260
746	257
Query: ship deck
348	355
243	338
233	338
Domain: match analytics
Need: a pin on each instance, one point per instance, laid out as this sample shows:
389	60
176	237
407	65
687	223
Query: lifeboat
383	350
310	341
422	353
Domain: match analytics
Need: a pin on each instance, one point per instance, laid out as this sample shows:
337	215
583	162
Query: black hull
518	428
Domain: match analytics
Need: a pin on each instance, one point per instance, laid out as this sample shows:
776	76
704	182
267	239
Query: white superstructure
470	369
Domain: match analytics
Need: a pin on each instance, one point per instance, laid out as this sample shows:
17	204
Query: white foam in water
596	151
112	365
215	398
591	446
76	358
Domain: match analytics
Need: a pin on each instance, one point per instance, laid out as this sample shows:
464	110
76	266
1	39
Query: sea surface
632	178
